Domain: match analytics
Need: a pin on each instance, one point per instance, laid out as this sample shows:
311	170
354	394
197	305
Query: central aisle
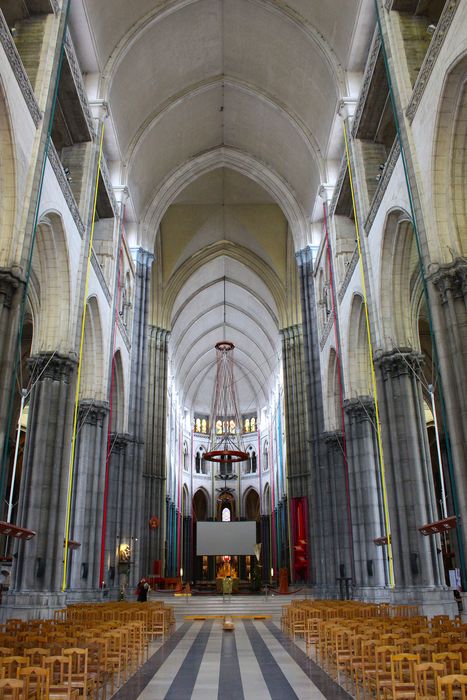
255	662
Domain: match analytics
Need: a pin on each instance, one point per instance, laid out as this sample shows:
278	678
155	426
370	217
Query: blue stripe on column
184	682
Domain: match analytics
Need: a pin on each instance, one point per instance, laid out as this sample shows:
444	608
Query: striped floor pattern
255	662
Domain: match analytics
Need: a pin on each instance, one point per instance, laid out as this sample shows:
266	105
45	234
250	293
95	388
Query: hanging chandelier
225	420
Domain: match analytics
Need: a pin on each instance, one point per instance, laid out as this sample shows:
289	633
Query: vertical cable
372	366
78	378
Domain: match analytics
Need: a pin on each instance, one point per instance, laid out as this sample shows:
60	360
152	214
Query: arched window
246	428
251	465
198	425
185	456
253	425
204	426
226	515
266	457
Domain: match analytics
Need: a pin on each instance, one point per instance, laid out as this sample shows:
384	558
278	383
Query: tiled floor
255	662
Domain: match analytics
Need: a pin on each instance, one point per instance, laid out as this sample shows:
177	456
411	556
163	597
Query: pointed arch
118	395
92	371
7	182
359	369
333	410
251	504
51	292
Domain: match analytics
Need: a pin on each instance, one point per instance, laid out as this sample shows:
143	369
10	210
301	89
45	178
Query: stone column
409	477
115	508
134	496
88	498
316	467
265	547
11	289
365	492
154	473
44	482
450	318
336	521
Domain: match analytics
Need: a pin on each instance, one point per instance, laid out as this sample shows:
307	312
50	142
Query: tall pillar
44	483
365	492
11	289
409	477
115	508
336	521
317	468
154	473
450	317
136	421
88	497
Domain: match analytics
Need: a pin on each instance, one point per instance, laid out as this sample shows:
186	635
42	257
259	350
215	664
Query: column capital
52	365
10	280
332	438
398	362
92	412
118	442
450	279
360	408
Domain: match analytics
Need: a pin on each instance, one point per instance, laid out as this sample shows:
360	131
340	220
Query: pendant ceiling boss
225	423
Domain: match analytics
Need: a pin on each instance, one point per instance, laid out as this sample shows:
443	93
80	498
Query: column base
92	595
28	605
431	601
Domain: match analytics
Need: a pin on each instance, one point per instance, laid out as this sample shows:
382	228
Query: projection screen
226	538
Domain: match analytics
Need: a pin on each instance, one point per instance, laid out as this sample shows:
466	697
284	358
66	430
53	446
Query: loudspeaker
369	567
342	570
111	573
84	569
414	563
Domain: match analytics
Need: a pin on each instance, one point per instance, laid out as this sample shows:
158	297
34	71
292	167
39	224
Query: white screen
226	538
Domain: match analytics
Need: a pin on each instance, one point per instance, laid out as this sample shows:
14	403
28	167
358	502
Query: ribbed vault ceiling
222	126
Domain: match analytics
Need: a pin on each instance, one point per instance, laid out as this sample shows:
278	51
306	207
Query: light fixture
225	420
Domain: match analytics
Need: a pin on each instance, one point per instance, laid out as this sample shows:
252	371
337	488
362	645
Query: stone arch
92	370
251	504
400	276
51	293
200	505
449	158
7	182
251	466
359	367
267	500
185	500
118	395
333	409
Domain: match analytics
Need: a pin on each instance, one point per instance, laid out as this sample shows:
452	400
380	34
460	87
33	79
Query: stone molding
108	184
123	332
398	362
333	439
338	185
100	276
431	55
9	283
360	408
348	274
92	412
78	81
367	77
326	330
451	280
304	256
17	67
383	183
57	167
49	365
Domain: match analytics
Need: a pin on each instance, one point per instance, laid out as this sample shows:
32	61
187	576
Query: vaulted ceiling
222	126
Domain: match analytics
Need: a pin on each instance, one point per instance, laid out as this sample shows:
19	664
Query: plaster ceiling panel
188	228
224	186
178	51
256	127
264	49
188	128
335	20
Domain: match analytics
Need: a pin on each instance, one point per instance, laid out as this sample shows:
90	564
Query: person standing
227	588
143	590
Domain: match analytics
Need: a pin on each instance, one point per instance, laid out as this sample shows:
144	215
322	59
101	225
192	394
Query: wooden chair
11	664
12	689
80	678
36	682
401	686
426	680
373	678
450	659
59	668
452	687
37	655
